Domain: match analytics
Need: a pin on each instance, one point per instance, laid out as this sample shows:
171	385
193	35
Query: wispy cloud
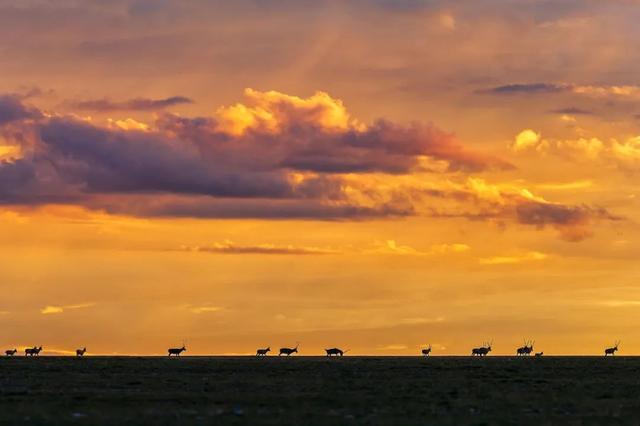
393	347
52	309
392	247
202	309
229	247
137	104
513	259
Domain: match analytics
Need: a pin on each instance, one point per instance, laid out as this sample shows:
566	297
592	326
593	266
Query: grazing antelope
427	351
612	351
11	352
81	352
289	351
35	351
539	354
263	352
176	351
526	349
335	352
482	351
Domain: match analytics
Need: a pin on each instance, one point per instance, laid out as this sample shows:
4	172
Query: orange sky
378	175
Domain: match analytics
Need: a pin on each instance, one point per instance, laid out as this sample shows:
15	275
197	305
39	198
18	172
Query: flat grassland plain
320	391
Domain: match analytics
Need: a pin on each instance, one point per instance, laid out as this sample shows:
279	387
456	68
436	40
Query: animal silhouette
612	351
176	351
427	351
263	352
539	354
11	352
335	352
289	351
81	352
35	351
483	350
526	349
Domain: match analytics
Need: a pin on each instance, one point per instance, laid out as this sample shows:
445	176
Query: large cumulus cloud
274	156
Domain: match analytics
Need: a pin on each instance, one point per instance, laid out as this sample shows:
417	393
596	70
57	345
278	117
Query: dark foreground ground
320	391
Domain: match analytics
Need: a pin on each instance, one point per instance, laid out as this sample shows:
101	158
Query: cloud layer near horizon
275	156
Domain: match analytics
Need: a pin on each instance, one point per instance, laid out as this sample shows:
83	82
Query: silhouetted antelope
526	349
612	351
177	351
538	354
10	352
335	352
33	351
81	352
482	351
263	352
427	351
289	351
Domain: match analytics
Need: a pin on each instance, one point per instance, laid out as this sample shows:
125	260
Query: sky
373	175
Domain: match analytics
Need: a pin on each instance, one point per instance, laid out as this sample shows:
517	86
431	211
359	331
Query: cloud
526	139
393	347
513	259
12	109
487	201
136	104
572	111
392	247
624	155
526	88
51	309
202	309
275	156
228	247
593	91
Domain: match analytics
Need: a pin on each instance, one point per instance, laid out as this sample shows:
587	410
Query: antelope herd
481	351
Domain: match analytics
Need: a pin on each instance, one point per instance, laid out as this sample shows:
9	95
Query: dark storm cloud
137	104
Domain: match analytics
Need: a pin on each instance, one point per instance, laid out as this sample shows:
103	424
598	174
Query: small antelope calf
612	351
35	351
10	352
263	352
427	351
335	352
176	351
288	351
81	352
539	354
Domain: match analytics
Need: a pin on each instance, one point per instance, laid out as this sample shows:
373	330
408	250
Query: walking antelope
177	351
427	351
35	351
482	351
81	352
335	352
526	349
263	352
289	351
539	354
11	352
612	351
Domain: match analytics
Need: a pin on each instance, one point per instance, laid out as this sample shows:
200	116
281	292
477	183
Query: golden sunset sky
374	175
